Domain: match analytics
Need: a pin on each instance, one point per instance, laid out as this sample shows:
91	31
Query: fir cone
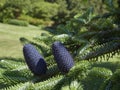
34	60
62	57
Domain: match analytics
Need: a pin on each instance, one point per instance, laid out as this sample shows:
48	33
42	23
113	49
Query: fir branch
111	47
48	84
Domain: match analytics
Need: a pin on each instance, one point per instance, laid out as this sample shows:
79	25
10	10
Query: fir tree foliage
113	82
94	36
79	77
87	36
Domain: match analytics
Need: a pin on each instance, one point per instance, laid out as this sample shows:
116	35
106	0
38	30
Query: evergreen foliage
113	82
87	36
79	77
93	36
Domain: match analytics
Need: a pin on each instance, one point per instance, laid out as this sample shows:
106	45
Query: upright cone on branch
34	60
62	57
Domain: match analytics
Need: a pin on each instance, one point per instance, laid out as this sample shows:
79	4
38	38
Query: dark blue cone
34	60
62	57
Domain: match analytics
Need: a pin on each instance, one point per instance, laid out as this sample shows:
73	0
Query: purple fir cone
34	60
62	57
